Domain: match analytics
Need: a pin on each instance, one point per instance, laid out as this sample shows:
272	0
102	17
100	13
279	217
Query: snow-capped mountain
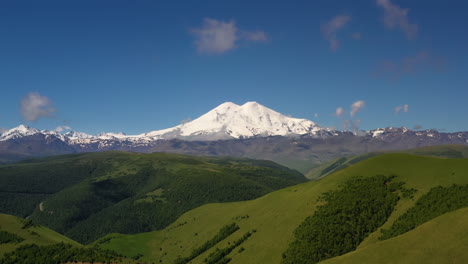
18	132
73	135
230	120
227	121
248	130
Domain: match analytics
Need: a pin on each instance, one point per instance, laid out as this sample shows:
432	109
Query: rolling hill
23	242
29	234
275	216
443	151
86	196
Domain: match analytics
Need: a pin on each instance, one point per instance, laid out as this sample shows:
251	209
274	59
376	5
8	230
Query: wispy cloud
400	108
316	115
62	128
351	123
356	107
411	65
339	112
417	127
217	37
35	106
397	17
330	29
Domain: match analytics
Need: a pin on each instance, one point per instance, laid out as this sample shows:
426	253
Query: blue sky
137	66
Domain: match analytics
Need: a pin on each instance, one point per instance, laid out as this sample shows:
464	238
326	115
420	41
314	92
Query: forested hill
86	196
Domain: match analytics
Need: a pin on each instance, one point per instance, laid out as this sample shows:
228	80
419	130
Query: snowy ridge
227	121
230	120
73	135
18	132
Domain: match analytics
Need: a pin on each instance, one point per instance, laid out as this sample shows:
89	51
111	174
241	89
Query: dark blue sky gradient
133	66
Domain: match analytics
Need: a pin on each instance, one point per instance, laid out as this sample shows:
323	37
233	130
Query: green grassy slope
444	151
442	240
335	165
39	235
87	196
332	166
276	215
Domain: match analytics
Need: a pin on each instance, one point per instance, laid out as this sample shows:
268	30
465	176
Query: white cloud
399	108
35	106
356	107
397	17
331	28
62	128
339	111
217	37
316	115
351	123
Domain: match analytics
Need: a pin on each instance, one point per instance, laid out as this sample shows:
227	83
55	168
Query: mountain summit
18	132
227	121
230	120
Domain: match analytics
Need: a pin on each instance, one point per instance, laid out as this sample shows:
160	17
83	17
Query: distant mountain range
248	130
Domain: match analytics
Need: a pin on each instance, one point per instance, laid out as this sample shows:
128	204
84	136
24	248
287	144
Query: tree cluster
439	200
222	234
345	218
7	237
219	256
58	254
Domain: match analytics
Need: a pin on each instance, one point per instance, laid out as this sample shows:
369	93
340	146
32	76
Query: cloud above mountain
62	128
331	28
397	17
401	108
356	107
339	112
35	106
351	123
218	37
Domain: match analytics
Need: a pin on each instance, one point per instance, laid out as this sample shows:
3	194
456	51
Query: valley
264	226
87	196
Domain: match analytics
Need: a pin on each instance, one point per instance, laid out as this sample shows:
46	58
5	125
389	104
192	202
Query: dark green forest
222	234
7	237
220	256
58	254
344	218
87	196
436	202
